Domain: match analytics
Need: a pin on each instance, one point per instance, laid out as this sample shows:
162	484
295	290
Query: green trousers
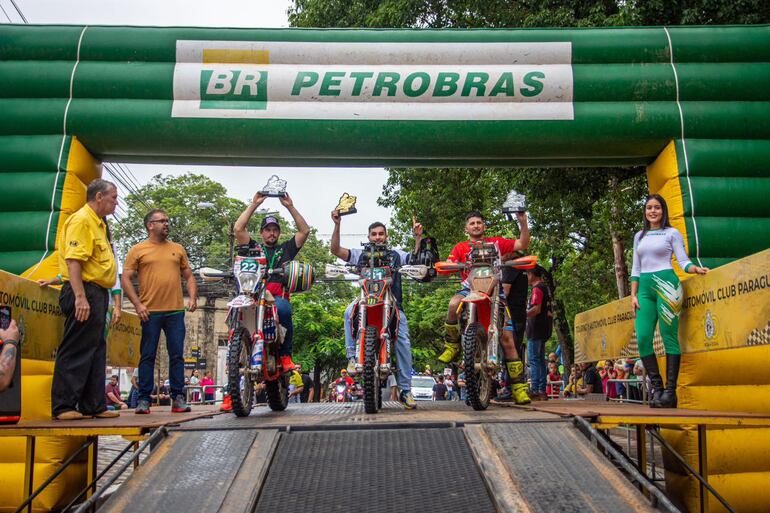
660	300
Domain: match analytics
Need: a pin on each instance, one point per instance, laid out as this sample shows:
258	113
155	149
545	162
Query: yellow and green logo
231	86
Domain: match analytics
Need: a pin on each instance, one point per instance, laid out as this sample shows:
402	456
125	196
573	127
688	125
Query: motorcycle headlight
248	282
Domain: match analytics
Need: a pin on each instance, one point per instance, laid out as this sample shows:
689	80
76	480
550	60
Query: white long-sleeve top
653	251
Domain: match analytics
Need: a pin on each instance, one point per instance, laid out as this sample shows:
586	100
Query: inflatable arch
692	103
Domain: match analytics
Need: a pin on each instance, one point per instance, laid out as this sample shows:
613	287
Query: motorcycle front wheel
478	384
240	383
278	393
371	371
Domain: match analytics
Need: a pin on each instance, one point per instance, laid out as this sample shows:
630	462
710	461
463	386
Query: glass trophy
347	205
514	203
275	187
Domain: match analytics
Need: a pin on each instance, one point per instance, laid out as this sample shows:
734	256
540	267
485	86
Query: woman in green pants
656	295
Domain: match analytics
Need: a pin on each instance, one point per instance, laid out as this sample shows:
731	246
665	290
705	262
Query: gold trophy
347	205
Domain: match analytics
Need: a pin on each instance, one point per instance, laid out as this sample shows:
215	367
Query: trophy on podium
514	204
347	205
275	187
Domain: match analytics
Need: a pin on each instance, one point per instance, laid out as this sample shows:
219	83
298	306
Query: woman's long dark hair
664	222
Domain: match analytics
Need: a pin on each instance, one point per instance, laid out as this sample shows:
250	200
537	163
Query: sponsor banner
41	323
381	81
727	308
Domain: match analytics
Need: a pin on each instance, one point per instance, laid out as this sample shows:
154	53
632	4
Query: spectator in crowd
112	394
194	382
160	395
554	380
610	387
88	270
133	393
645	388
160	305
592	383
439	390
515	287
308	387
575	381
450	387
9	349
620	373
428	372
295	385
461	386
539	328
208	389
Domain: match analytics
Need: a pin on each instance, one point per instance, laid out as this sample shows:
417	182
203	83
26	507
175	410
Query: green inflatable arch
73	96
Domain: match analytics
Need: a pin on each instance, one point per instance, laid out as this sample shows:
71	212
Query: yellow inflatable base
50	452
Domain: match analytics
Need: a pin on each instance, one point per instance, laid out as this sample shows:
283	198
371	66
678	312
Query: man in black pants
88	270
515	287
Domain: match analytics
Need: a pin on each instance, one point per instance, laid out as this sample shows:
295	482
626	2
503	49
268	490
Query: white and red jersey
462	251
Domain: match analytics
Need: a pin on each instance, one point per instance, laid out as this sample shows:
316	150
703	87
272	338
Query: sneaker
519	393
407	400
451	350
142	407
285	361
180	405
352	362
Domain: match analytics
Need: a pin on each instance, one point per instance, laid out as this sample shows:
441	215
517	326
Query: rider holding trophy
276	254
377	233
475	227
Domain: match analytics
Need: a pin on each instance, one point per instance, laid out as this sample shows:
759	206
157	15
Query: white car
422	388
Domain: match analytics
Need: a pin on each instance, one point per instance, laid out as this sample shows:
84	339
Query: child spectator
553	389
208	389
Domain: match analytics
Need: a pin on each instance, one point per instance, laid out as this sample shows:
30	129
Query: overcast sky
241	182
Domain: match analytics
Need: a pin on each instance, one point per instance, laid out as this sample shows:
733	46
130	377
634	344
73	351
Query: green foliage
319	337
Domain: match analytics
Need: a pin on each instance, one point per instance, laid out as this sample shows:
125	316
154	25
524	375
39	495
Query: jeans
284	316
403	348
536	361
173	327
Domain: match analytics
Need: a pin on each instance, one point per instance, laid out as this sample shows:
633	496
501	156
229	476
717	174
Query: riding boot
451	343
651	368
668	399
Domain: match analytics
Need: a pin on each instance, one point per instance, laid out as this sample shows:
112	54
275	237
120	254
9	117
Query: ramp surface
415	470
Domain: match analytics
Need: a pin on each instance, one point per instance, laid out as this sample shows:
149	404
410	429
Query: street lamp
230	224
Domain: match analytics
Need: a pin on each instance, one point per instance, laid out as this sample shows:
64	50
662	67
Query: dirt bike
341	393
255	334
481	315
376	327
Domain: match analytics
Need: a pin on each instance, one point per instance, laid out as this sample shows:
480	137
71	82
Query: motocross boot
518	383
651	368
668	397
451	343
227	404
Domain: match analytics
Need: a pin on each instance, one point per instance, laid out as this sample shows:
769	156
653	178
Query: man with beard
276	255
160	305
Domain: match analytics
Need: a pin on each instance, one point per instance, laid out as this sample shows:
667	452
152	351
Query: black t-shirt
517	296
591	377
307	384
540	326
440	390
277	256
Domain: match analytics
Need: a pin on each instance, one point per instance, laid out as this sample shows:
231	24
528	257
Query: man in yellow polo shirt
88	270
160	305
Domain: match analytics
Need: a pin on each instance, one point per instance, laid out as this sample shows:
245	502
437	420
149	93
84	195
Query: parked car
422	387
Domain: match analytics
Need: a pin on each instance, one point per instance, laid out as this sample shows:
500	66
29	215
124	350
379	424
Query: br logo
233	89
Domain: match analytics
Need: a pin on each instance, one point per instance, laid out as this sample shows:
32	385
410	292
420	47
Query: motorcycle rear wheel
278	393
371	371
478	384
238	357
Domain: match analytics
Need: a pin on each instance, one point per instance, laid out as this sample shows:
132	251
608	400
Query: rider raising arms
378	234
475	227
276	255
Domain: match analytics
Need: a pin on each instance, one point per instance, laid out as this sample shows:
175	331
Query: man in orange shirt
160	305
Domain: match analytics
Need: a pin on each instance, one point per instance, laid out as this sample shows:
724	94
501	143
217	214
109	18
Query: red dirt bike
481	317
341	393
255	332
376	328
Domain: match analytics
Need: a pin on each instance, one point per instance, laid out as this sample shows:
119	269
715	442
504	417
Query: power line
19	11
131	174
6	14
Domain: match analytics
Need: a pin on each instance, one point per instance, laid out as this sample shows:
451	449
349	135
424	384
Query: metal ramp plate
550	467
197	472
417	470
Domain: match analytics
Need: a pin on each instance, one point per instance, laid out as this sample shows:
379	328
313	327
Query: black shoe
668	397
651	368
